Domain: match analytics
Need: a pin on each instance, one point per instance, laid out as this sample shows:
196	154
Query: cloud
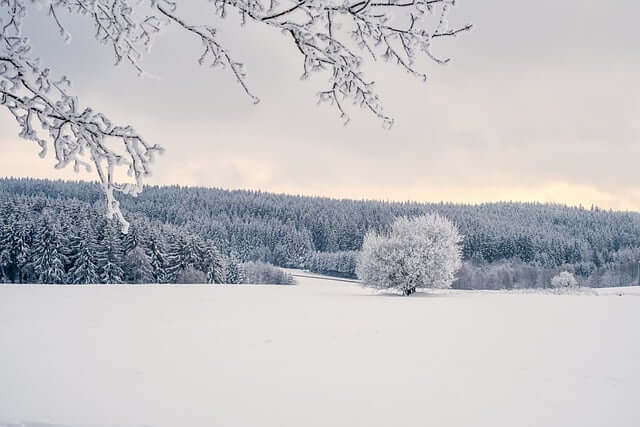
540	103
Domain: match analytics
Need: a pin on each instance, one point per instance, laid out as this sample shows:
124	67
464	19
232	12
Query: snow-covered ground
323	353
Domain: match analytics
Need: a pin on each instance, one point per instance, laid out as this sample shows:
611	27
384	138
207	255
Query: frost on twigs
48	113
334	37
337	36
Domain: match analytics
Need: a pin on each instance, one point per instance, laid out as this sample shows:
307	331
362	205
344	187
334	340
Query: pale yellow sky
540	103
254	175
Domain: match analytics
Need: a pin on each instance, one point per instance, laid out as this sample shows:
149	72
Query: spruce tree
157	258
110	256
15	243
234	272
213	265
48	258
84	268
186	251
137	266
5	249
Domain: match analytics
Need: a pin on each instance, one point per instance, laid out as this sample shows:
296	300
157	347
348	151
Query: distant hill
285	230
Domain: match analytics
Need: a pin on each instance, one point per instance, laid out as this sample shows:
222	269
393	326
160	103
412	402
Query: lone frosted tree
418	252
332	37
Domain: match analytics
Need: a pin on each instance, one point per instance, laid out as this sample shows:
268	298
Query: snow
323	353
620	291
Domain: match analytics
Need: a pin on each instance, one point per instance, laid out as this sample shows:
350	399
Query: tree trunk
409	291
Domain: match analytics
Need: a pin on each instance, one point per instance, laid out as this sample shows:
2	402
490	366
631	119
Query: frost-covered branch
46	112
330	35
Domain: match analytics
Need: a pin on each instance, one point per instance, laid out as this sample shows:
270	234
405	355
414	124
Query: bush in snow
257	273
418	252
564	280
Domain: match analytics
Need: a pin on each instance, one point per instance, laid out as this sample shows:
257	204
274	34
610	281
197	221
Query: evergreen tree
137	264
48	259
286	229
157	258
15	243
131	240
213	265
4	264
138	268
186	251
234	273
5	249
84	268
109	256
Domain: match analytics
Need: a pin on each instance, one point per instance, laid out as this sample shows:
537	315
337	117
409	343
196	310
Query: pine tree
5	249
130	241
157	258
15	243
173	263
234	273
4	263
186	251
213	265
48	257
192	252
84	269
137	264
138	268
110	256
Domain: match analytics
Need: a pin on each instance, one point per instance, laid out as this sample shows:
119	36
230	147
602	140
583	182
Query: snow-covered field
323	353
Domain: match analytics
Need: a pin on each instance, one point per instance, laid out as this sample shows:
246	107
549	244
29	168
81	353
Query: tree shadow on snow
417	295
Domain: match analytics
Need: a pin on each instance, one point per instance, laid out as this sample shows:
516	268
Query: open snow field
323	353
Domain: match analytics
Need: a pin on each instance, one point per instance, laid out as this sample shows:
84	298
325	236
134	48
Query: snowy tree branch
328	34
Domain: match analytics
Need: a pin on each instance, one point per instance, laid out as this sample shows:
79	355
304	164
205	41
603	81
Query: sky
539	103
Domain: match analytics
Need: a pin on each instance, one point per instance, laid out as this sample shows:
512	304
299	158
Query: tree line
68	241
299	231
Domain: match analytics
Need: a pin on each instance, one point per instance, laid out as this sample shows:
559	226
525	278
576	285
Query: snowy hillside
323	353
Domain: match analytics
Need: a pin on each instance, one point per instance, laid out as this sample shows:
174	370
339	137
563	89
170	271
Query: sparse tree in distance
331	37
419	252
